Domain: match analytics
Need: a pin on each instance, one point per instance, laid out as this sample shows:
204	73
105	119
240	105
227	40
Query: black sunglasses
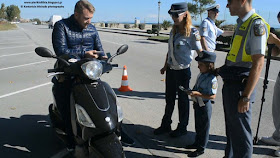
176	15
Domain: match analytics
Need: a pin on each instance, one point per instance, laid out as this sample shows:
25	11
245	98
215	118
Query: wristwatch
245	99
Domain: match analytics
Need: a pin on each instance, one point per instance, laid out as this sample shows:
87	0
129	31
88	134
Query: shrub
127	26
135	26
117	24
38	21
149	31
155	26
219	22
141	26
166	24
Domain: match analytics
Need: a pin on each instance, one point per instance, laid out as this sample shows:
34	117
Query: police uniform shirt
183	46
206	84
256	41
210	31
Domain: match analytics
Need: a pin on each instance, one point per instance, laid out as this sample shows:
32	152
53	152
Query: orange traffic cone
124	87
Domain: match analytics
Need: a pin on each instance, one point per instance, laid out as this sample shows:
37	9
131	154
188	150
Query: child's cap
206	56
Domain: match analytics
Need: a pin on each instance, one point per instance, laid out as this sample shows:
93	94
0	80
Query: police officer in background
240	74
275	138
208	29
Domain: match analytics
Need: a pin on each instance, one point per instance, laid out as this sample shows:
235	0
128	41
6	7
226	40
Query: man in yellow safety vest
240	74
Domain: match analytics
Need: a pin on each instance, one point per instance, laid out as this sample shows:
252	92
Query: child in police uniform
203	91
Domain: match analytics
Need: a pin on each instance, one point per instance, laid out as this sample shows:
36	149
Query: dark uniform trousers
175	78
202	123
238	125
62	92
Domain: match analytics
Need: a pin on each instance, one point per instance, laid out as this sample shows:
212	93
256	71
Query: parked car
53	20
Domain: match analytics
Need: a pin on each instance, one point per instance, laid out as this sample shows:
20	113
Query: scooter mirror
44	52
122	49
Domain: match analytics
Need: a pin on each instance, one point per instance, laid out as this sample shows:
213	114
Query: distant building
137	21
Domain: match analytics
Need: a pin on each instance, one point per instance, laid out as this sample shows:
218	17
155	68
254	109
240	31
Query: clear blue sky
145	10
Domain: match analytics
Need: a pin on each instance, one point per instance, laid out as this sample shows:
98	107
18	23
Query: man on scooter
76	37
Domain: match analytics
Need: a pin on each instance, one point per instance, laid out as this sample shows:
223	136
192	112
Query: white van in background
53	20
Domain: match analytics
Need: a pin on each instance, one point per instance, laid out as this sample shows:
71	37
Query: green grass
7	26
159	38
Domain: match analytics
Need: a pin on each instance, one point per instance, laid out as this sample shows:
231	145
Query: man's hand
243	106
272	38
91	54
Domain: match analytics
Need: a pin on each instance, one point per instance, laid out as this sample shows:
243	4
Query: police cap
206	56
214	8
178	8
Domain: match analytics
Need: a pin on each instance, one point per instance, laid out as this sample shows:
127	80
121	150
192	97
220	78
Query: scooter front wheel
109	146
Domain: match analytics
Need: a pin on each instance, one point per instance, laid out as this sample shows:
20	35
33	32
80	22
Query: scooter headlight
93	69
83	117
120	113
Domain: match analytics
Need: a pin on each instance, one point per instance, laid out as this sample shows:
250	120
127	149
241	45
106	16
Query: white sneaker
277	153
270	141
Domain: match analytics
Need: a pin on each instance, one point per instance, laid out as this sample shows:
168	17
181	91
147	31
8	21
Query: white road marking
17	46
61	154
15	54
111	42
13	42
17	147
23	65
268	79
24	90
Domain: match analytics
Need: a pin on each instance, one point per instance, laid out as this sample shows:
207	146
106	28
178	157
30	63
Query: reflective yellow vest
239	42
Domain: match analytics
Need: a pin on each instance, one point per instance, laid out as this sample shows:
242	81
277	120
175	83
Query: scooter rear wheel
109	146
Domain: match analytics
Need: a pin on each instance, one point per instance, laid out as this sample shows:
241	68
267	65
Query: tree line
11	13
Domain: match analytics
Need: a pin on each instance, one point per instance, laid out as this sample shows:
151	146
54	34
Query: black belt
243	81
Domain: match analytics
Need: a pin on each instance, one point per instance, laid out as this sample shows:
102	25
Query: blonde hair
186	31
84	4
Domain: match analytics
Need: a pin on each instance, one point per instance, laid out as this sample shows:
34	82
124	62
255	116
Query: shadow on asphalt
28	136
139	95
160	144
31	136
130	154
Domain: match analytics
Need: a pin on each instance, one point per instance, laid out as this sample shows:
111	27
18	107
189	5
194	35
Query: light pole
158	17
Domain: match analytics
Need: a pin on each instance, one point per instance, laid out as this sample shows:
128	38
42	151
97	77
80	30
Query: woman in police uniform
203	91
183	39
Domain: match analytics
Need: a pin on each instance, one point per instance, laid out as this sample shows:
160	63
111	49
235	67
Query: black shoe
196	153
162	130
178	132
192	146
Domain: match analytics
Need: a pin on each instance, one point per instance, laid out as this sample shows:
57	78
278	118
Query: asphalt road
25	93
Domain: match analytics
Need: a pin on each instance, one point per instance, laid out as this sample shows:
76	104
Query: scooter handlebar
115	65
54	70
